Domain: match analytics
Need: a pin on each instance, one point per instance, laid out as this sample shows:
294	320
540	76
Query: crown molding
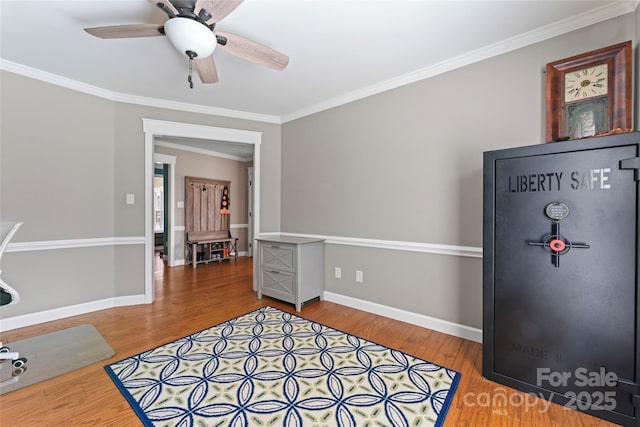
558	28
57	80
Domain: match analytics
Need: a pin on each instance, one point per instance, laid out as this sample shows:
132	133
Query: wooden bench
216	245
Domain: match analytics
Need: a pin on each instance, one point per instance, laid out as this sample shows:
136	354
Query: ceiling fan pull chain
189	79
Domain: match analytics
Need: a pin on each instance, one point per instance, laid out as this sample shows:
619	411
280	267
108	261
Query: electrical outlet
338	273
359	276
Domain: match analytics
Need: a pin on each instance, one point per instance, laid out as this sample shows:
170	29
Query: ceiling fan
190	28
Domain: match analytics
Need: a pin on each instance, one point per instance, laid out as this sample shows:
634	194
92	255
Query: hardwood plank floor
189	300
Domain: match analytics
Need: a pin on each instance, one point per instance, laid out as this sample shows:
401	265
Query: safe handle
628	386
632	388
632	163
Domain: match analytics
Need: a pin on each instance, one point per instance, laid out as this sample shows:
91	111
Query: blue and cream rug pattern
272	368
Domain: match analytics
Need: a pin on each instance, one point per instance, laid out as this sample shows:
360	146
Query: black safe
560	273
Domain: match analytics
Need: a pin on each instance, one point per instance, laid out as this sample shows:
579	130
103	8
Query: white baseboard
421	320
72	310
428	322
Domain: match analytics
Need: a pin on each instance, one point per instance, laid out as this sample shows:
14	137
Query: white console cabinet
290	268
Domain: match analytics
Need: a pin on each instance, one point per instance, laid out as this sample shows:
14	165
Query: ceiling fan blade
206	69
218	9
166	6
253	51
125	31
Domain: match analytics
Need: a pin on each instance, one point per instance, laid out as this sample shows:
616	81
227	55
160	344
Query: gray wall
406	165
57	167
206	166
67	160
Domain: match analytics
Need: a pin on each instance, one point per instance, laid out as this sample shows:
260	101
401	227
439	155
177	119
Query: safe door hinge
632	388
632	163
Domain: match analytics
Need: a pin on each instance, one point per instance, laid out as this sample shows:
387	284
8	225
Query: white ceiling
339	50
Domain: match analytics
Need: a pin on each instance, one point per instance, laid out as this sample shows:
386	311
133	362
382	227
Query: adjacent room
264	212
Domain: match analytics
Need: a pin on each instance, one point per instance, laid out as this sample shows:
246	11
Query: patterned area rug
272	368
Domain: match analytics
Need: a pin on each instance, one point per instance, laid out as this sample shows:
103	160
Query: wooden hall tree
203	198
207	222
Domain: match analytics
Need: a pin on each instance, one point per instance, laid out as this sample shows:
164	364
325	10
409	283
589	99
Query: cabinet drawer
277	256
277	284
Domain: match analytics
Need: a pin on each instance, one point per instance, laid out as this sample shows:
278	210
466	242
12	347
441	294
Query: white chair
8	295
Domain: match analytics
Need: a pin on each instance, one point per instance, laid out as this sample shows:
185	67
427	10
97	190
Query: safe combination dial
556	243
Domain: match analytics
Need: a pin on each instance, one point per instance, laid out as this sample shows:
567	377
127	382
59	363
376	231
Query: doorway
160	207
163	166
158	128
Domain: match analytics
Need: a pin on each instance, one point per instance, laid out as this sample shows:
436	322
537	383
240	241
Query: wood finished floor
189	300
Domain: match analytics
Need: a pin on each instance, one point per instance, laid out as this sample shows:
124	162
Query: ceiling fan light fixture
188	35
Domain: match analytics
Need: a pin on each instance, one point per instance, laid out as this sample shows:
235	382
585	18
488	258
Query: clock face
586	83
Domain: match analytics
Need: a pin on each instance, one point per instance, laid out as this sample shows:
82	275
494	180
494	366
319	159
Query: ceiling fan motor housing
190	37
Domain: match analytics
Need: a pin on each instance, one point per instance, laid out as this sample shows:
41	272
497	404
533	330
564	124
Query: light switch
130	199
180	205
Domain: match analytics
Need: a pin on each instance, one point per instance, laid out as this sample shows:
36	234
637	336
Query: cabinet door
277	256
278	284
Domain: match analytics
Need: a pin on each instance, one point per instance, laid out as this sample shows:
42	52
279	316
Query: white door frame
250	230
153	128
